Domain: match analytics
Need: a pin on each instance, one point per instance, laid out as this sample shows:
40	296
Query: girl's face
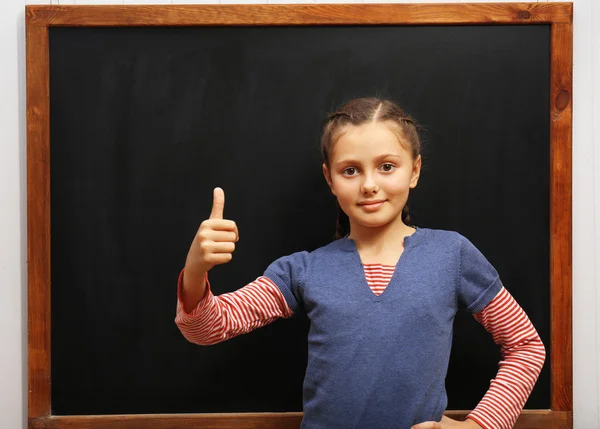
371	173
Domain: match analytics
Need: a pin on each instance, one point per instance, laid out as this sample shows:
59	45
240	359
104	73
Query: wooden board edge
529	419
300	14
38	219
561	119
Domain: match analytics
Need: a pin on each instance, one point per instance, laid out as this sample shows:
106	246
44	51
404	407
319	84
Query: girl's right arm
219	318
207	319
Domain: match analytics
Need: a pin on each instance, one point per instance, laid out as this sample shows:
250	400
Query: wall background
13	208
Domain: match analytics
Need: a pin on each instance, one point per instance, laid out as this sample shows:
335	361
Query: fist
215	240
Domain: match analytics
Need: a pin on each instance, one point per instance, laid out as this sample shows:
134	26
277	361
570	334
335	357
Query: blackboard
145	121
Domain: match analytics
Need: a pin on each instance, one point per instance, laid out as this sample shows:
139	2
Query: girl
381	299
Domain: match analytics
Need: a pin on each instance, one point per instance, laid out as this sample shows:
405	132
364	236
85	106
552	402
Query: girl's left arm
523	357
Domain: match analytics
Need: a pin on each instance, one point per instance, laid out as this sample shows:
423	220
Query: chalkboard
145	121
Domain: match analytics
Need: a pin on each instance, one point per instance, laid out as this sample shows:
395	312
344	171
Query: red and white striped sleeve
523	357
219	318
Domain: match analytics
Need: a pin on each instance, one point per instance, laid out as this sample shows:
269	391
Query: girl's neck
382	239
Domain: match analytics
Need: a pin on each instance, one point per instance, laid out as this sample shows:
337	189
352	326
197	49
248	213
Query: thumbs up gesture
215	240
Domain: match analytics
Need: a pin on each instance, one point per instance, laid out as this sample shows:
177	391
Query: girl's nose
369	186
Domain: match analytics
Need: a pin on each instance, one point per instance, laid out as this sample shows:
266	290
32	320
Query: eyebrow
379	158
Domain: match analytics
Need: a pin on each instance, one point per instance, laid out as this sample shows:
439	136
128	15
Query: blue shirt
381	361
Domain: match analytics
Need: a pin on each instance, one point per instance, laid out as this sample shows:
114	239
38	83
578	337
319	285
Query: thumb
218	204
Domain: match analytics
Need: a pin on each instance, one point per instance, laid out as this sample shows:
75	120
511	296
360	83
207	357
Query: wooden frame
40	18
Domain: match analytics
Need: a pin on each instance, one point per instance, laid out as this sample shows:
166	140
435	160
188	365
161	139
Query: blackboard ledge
529	419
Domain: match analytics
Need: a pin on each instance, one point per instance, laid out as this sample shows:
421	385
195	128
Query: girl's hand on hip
215	240
448	423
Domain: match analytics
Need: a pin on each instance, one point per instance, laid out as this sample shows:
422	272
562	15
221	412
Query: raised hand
215	240
213	244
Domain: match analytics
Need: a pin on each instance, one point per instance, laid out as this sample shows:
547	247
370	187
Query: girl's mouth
371	206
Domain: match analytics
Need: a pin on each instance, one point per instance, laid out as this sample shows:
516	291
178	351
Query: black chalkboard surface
145	122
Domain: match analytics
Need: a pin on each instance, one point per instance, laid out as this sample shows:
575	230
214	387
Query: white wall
13	245
13	337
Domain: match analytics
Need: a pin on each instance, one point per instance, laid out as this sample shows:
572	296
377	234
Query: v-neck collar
410	241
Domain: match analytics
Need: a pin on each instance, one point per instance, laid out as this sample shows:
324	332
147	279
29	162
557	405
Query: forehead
370	139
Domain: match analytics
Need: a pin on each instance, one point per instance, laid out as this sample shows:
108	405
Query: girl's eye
387	167
350	171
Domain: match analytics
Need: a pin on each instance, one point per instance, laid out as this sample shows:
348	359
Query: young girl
381	299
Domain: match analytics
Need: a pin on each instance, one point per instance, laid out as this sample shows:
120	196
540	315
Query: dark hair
360	111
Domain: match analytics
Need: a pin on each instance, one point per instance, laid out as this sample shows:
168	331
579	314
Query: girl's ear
327	175
416	172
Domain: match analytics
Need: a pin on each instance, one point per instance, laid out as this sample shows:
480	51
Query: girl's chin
376	220
372	223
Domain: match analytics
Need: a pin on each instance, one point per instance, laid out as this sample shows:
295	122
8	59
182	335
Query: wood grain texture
532	419
180	421
39	18
561	112
38	219
287	14
528	420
